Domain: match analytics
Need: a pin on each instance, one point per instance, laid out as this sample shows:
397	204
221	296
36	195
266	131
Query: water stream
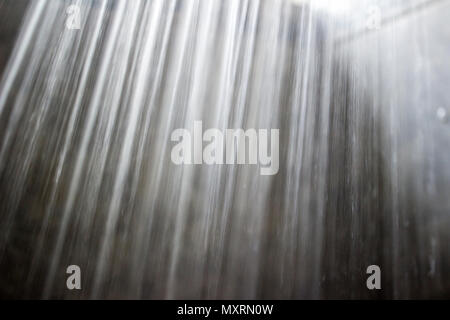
86	176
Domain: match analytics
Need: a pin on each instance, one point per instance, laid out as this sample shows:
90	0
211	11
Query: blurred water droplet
441	113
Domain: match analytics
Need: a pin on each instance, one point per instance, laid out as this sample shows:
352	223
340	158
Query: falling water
86	177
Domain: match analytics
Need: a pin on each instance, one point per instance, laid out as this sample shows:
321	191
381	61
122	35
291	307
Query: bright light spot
441	113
